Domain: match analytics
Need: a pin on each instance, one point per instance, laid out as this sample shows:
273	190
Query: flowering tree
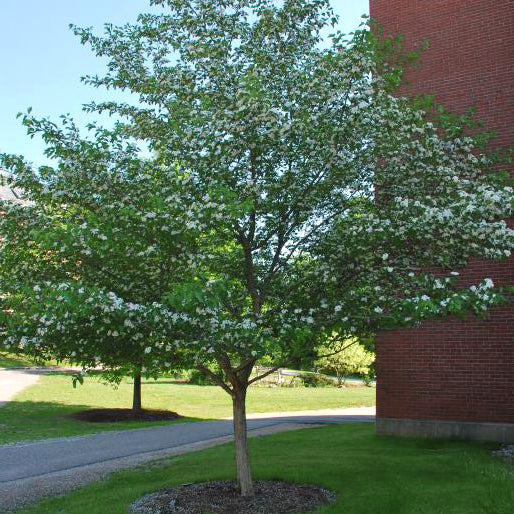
86	260
323	199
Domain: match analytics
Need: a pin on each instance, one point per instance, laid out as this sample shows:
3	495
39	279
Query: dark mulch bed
224	498
114	415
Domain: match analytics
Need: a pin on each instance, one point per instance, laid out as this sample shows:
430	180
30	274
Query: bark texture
236	385
136	399
244	472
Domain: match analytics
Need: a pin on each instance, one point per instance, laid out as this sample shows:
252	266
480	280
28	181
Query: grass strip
11	360
40	411
369	474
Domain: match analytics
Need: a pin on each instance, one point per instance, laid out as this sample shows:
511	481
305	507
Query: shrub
315	380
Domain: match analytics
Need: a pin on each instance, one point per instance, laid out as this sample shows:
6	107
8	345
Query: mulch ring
224	498
115	415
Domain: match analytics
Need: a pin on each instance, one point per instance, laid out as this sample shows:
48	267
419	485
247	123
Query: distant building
6	193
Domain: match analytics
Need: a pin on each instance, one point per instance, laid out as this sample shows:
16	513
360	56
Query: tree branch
249	272
215	377
338	351
263	375
245	364
305	238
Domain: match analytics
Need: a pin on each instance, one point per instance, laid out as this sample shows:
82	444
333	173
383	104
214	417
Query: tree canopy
87	260
318	199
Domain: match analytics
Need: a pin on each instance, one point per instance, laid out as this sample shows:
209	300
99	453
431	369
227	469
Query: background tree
326	196
344	357
84	261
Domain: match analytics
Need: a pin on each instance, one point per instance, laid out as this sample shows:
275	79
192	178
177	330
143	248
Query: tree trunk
244	472
136	399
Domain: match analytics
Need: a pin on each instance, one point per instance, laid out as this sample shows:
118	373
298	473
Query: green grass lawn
39	411
369	474
18	360
11	360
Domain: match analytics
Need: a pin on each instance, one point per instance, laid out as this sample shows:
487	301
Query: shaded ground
40	412
115	415
11	360
222	497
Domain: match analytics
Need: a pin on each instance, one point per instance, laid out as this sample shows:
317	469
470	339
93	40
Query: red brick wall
456	370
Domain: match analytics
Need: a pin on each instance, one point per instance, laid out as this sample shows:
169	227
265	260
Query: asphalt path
13	381
31	459
31	470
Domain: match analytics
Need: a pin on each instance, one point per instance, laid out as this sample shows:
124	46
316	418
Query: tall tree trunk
136	399
238	378
244	472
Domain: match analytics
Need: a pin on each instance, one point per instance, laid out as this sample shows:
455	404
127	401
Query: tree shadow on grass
174	382
8	361
42	371
27	420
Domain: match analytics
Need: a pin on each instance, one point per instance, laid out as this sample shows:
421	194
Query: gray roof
6	193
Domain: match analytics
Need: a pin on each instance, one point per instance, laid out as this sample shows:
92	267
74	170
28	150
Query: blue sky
42	61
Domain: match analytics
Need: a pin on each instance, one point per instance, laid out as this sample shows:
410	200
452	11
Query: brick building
455	378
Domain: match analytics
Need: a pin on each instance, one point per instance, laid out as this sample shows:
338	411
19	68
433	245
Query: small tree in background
86	259
344	357
321	200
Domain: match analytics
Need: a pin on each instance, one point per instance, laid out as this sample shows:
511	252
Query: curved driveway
31	470
12	381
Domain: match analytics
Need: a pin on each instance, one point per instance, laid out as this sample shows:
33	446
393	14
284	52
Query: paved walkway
33	470
12	381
